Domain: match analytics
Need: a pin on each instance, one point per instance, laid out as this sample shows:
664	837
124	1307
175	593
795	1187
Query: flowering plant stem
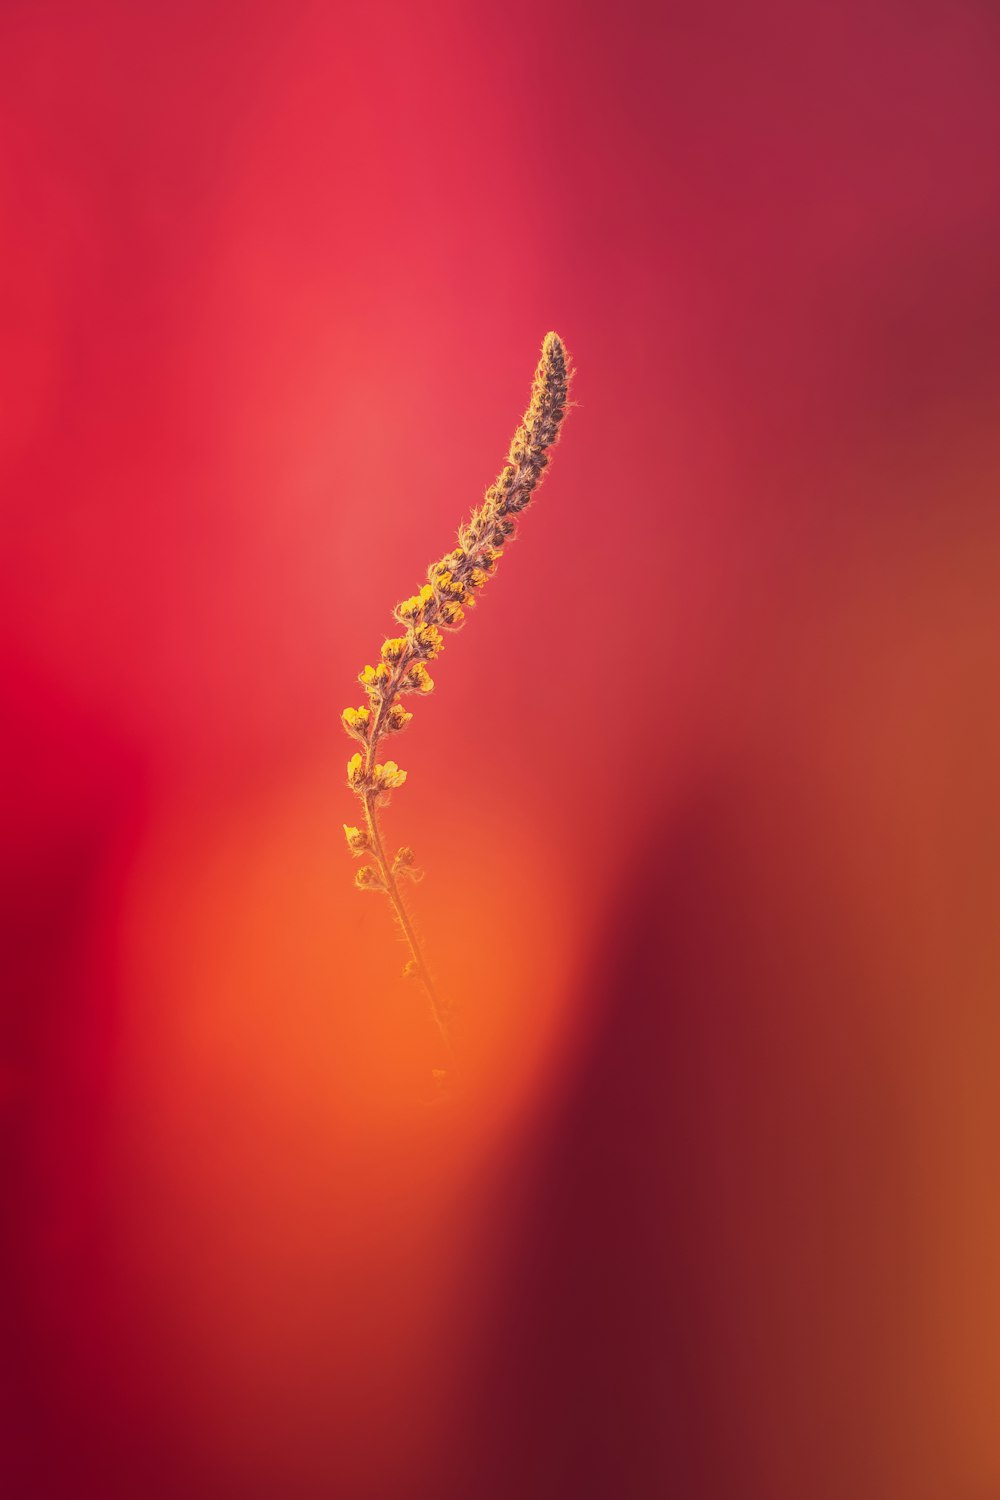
453	585
377	849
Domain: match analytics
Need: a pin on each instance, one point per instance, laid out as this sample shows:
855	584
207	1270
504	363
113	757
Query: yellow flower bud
355	771
356	721
413	607
429	642
418	679
393	648
375	678
405	864
459	592
357	839
397	718
389	776
445	583
451	614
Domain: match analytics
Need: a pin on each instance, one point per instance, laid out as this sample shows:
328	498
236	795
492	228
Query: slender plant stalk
391	887
453	584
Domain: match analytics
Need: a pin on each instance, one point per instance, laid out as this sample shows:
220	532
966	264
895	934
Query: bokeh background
707	797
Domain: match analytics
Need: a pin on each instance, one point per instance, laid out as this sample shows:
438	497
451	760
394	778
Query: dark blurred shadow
707	1296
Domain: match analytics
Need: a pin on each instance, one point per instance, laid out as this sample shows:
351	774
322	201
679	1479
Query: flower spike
453	584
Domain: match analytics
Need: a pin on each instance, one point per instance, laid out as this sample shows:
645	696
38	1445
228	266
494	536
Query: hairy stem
377	849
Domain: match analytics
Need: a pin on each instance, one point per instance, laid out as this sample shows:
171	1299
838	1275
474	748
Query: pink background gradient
707	796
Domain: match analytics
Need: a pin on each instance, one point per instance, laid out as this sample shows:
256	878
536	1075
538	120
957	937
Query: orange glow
706	794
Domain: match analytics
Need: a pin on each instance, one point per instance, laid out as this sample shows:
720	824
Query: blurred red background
707	796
